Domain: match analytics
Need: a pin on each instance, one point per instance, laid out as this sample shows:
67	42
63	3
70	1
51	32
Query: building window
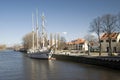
113	40
101	40
107	48
80	47
114	49
107	40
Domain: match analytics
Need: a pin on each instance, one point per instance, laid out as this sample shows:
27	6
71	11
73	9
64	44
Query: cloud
64	33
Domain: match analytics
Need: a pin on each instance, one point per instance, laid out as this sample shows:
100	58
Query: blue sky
71	16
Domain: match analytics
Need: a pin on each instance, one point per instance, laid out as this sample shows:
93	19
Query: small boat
43	51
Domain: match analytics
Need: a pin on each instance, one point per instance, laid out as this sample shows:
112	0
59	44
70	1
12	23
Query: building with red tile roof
78	44
112	36
115	42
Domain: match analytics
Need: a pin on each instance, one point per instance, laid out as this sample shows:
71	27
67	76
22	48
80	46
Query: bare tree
89	38
51	39
109	26
58	40
27	41
62	43
3	46
118	21
95	26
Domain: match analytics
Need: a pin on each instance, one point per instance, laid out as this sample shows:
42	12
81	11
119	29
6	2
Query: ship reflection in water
16	66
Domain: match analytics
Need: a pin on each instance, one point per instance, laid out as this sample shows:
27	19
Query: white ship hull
40	55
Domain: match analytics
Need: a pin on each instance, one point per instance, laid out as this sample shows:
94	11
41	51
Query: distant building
115	42
78	44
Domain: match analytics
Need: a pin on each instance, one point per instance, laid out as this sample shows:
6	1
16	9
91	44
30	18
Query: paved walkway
77	53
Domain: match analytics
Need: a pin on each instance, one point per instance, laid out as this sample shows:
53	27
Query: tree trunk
100	49
110	48
99	46
88	48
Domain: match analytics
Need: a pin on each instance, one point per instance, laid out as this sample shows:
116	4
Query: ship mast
43	32
33	31
37	28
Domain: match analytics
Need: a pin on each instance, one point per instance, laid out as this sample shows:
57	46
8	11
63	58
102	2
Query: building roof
77	41
112	36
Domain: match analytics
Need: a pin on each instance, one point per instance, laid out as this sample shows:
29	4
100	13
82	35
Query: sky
70	18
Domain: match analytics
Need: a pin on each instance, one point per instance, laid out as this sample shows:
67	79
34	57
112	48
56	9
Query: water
17	66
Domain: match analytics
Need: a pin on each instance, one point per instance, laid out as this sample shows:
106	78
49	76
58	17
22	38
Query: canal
17	66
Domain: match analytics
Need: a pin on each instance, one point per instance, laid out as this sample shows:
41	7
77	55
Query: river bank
106	61
93	59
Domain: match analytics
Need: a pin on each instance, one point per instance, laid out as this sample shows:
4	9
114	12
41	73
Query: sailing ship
42	50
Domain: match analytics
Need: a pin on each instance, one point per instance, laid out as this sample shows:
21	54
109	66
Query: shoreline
112	62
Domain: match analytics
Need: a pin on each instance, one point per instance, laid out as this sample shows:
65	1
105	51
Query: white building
78	44
115	42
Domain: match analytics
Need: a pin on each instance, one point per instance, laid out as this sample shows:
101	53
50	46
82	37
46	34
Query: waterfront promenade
78	53
93	59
